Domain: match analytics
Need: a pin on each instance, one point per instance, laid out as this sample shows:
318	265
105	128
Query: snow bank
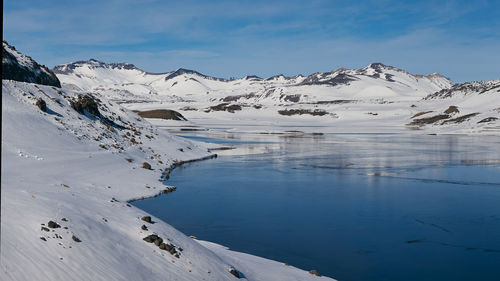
79	170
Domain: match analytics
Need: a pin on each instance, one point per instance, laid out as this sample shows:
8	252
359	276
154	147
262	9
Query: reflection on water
354	207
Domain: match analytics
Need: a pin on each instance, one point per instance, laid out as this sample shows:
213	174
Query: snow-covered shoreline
76	170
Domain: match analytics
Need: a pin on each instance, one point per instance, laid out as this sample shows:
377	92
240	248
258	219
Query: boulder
53	224
158	241
150	238
234	272
76	239
314	272
41	104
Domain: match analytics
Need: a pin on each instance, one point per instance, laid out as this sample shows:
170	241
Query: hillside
472	107
376	98
126	83
19	67
71	163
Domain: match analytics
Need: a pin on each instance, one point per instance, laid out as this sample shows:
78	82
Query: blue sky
459	39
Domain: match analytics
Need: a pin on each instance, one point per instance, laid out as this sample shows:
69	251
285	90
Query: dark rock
146	165
158	241
420	114
168	247
460	119
146	219
224	107
86	103
41	104
234	272
43	238
325	78
45	229
429	120
314	272
12	69
290	112
76	239
451	110
143	227
162	114
64	219
236	98
150	238
489	119
52	224
162	246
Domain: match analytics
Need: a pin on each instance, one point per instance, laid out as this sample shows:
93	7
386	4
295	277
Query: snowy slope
376	98
187	88
79	169
472	107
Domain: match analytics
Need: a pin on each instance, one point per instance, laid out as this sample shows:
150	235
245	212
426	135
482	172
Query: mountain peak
93	63
181	71
378	65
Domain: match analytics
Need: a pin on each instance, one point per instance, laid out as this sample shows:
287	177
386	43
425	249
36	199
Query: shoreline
164	177
76	180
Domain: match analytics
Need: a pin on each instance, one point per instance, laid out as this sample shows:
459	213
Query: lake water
353	207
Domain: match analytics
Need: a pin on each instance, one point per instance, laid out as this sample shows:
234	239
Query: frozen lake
353	207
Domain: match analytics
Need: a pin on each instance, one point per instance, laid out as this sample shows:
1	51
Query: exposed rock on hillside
166	114
19	67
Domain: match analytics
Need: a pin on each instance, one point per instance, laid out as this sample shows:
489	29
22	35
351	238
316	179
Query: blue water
353	207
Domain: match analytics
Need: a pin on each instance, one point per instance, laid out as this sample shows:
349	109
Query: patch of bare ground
488	119
452	110
429	120
420	114
166	114
315	112
224	107
460	119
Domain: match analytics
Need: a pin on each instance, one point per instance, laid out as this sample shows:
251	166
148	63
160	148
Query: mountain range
377	98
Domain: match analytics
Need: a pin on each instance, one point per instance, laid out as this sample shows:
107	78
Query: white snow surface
377	98
63	164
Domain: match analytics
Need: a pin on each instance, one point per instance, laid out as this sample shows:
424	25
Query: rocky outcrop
19	67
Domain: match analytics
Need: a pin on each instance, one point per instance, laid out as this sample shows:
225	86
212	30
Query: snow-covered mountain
376	98
71	162
126	83
19	67
467	107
